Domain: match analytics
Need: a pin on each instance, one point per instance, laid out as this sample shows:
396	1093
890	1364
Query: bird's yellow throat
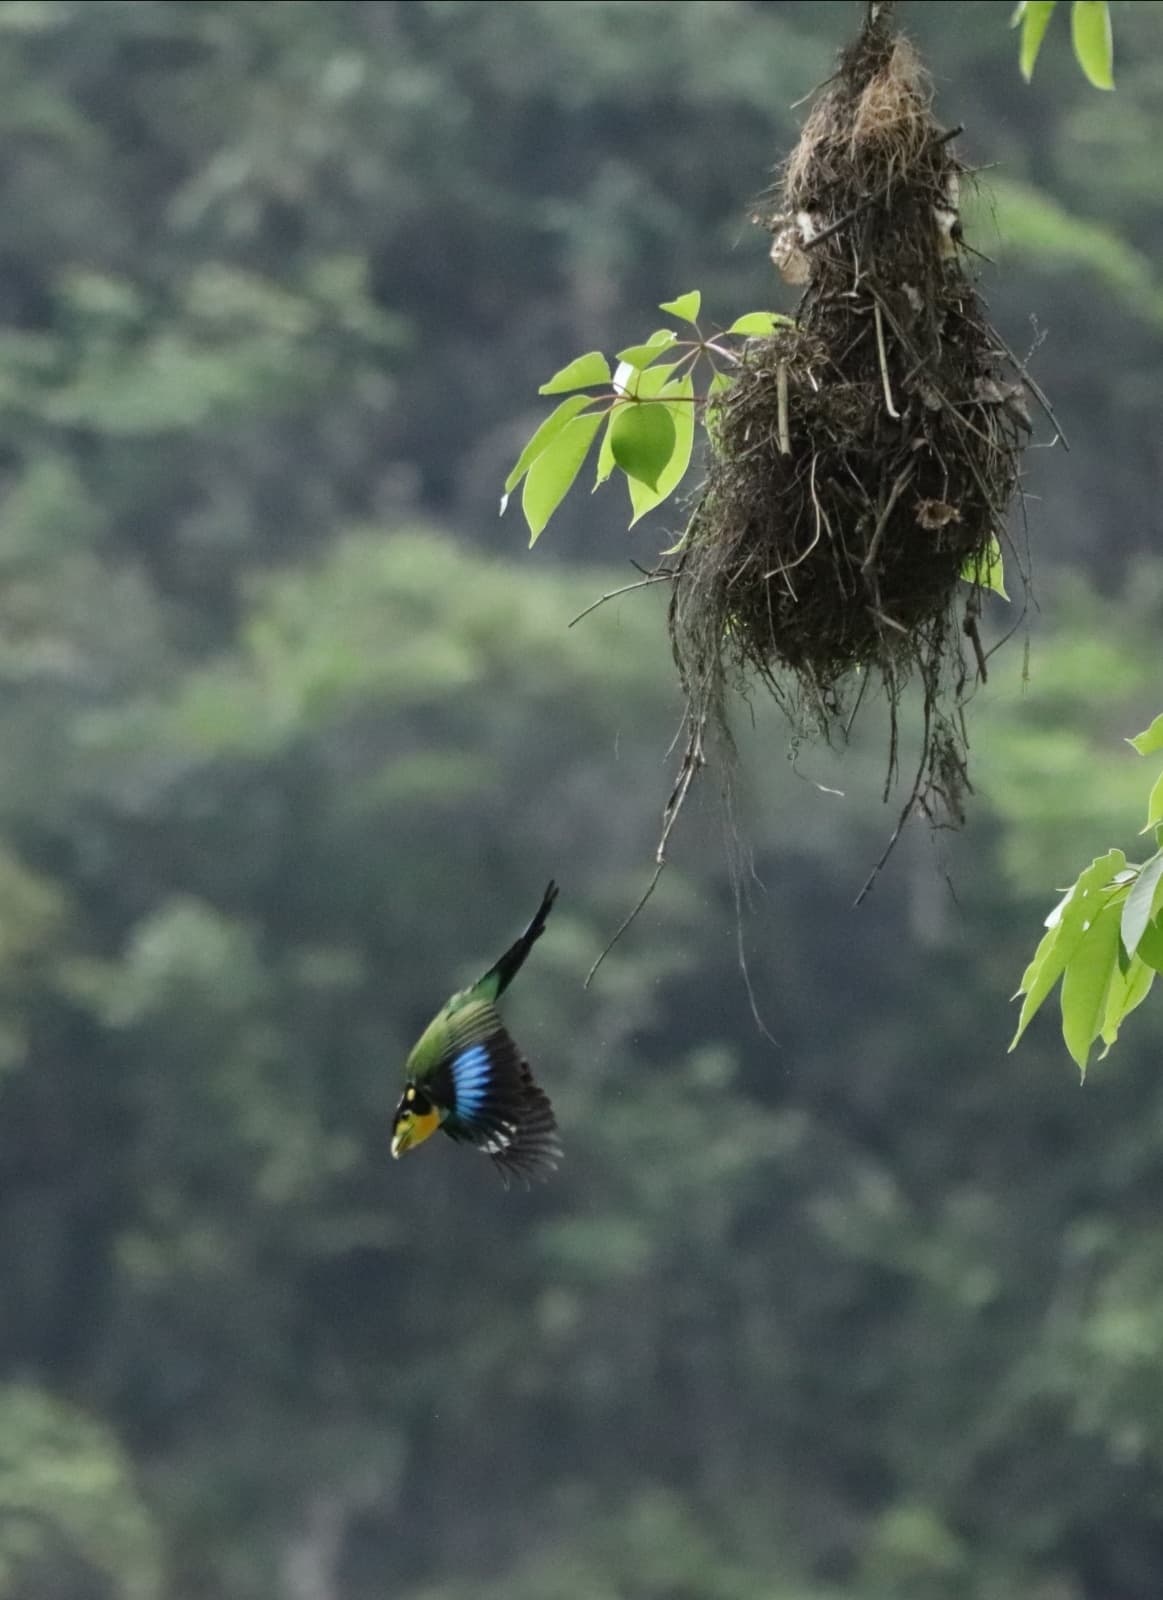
412	1129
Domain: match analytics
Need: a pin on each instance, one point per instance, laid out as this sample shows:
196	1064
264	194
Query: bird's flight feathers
492	1099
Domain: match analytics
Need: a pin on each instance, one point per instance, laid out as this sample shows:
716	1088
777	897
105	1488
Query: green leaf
1151	945
1127	990
686	306
1086	983
989	571
1140	905
642	437
650	384
655	382
760	322
1068	924
682	412
606	462
1155	804
1151	739
1090	29
641	383
719	384
553	472
581	373
1045	946
549	429
633	383
641	355
1034	17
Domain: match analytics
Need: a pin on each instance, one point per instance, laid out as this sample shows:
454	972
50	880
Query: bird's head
416	1119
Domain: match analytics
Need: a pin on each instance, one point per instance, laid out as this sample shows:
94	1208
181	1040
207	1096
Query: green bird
467	1077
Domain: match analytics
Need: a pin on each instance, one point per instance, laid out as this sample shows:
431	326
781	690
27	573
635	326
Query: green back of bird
468	1016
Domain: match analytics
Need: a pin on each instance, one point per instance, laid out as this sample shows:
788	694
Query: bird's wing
492	1100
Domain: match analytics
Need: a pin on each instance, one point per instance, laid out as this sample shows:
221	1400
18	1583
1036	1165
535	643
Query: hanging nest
864	457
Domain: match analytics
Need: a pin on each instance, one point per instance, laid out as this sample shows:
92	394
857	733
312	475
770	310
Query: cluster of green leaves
72	1520
1090	33
648	404
1104	938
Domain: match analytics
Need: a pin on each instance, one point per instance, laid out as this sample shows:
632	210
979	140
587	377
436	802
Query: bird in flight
466	1077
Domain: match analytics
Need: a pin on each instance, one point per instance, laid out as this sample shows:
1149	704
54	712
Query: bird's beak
399	1143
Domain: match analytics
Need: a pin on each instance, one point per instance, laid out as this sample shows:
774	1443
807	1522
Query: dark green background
293	731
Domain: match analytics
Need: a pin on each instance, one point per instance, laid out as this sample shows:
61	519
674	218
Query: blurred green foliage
292	730
71	1520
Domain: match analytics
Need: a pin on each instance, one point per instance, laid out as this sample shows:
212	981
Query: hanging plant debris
864	458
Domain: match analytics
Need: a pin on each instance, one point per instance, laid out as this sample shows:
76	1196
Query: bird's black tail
513	959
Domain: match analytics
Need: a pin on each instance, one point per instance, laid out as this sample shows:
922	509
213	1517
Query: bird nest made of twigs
863	459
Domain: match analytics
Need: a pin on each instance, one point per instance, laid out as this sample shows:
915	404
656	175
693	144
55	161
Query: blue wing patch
472	1072
494	1104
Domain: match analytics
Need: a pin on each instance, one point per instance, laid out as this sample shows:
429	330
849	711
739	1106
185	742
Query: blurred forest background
293	731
